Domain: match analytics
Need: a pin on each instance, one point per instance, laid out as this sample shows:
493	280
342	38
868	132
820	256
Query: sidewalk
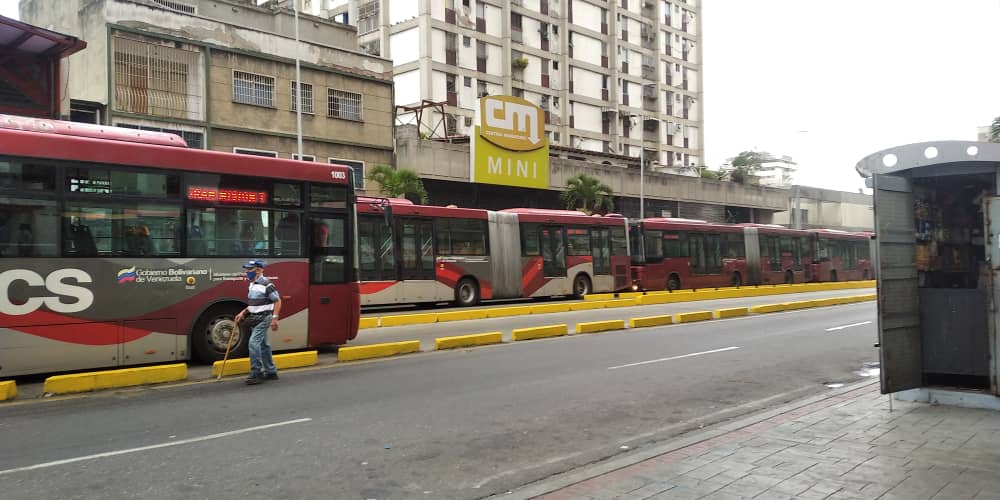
840	445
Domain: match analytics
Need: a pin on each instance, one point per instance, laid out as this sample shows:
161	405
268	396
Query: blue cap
254	263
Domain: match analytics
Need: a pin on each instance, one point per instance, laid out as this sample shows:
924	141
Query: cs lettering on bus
58	285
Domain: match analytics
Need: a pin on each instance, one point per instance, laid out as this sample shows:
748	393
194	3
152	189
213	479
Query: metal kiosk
937	235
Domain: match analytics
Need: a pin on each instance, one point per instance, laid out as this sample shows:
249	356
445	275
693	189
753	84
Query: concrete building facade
612	76
221	74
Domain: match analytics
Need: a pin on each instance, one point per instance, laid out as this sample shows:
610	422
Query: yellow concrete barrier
647	321
600	326
630	295
767	308
587	306
539	332
8	390
377	350
550	308
690	317
599	296
241	366
409	319
108	379
732	312
370	322
470	314
620	303
503	312
468	340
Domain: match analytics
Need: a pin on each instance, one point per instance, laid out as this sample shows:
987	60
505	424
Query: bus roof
836	233
671	223
367	205
545	215
674	219
148	149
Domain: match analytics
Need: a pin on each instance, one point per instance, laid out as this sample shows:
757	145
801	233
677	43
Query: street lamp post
797	212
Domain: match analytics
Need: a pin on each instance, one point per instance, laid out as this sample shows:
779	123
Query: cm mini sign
509	146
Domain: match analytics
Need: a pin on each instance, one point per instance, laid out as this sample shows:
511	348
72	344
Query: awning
16	36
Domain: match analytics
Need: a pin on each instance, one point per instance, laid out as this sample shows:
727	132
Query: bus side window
529	240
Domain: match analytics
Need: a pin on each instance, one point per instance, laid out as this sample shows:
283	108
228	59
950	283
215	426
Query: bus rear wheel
210	336
581	286
673	282
467	292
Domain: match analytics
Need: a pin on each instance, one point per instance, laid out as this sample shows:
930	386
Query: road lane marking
835	328
151	447
673	358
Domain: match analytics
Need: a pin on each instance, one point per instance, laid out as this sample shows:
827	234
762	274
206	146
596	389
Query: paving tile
957	491
750	485
651	489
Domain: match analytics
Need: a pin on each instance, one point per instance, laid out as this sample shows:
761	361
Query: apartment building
612	76
221	73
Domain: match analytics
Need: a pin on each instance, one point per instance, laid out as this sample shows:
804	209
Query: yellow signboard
509	146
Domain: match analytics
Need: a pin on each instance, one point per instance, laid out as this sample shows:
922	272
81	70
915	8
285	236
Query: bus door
600	249
417	249
333	292
553	241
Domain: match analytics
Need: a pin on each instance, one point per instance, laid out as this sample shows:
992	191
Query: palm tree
398	183
587	193
995	130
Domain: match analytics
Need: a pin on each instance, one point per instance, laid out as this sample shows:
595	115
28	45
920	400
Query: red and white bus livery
842	256
120	247
414	253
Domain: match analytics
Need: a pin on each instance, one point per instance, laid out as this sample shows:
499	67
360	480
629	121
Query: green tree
588	194
715	175
398	182
746	164
995	130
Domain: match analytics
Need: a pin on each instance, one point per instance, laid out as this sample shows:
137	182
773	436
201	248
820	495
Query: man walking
261	313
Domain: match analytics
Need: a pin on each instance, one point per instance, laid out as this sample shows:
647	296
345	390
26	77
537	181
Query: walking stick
232	334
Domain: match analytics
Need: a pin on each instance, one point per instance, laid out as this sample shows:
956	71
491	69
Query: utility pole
298	82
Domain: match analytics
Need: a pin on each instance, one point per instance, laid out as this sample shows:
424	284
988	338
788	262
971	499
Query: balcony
605	94
649	92
624	35
545	42
625	67
516	35
648	9
452	98
543	7
649	39
604	61
648	71
604	28
625	99
481	25
684	85
668	49
545	81
687	142
449	16
451	57
670	139
687	113
571	86
572	122
481	64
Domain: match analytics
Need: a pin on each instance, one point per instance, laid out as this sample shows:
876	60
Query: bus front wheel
211	333
467	292
673	283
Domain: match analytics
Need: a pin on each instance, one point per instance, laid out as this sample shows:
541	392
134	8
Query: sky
855	76
828	83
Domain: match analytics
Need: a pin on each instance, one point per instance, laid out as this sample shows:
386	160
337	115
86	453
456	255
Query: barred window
151	79
342	104
249	88
307	97
368	17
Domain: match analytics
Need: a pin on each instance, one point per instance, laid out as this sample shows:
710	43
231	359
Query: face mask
251	275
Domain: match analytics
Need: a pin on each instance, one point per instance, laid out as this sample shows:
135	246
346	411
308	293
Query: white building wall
494	59
466	55
587	15
438	84
437	46
533	72
407	87
532	5
531	35
437	8
635	63
587	83
587	117
587	49
405	46
467	95
404	10
494	21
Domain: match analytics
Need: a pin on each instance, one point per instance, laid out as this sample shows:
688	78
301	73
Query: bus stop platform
843	444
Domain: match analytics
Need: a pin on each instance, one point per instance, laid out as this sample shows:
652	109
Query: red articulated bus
121	247
841	255
414	253
671	254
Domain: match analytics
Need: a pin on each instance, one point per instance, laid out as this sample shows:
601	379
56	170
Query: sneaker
252	380
271	376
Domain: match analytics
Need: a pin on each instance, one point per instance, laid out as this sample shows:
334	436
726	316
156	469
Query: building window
304	157
150	79
307	97
466	42
373	47
555	65
194	140
357	166
467	82
250	88
368	17
256	152
343	104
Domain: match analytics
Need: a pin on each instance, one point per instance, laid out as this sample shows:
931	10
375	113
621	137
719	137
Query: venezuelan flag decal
126	275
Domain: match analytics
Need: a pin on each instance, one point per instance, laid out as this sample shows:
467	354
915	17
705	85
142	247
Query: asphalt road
463	424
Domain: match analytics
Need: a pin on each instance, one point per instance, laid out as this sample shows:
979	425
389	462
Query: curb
377	350
648	321
8	390
240	366
691	317
600	326
539	332
110	379
468	340
611	464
